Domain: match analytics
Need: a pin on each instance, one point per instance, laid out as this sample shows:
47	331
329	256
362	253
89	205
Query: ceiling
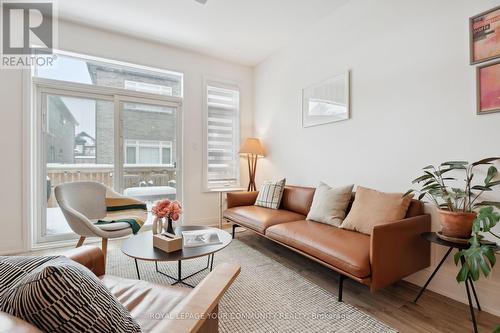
242	31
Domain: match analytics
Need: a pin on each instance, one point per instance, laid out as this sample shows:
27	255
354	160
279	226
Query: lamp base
252	169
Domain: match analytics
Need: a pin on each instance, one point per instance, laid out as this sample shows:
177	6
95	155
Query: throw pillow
329	204
270	194
64	296
14	268
372	207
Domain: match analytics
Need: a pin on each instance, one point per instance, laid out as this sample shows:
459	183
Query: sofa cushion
297	199
346	250
260	218
64	296
372	207
329	204
147	302
270	194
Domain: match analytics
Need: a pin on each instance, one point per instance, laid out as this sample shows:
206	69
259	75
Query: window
148	152
81	106
113	74
148	88
222	128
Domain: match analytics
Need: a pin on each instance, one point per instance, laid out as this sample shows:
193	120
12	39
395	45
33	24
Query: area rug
266	296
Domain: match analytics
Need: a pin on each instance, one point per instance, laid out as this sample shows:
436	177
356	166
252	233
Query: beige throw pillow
329	204
372	207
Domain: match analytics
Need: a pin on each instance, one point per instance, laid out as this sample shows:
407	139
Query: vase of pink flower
166	209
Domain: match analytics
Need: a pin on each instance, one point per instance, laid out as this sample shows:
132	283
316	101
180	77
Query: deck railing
134	175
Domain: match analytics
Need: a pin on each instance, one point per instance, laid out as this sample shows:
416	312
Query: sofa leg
341	286
234	229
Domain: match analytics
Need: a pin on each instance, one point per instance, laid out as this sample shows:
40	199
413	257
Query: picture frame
327	101
488	88
484	36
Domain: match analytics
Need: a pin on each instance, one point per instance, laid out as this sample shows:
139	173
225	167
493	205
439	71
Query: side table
220	192
433	238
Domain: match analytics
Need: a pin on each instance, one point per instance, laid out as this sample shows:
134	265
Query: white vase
157	225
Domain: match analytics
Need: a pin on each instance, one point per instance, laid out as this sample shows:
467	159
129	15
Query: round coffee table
140	247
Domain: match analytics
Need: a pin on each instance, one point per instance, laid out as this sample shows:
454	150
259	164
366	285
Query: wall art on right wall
484	30
488	88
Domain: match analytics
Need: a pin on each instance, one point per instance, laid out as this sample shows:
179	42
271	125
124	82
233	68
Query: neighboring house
85	148
60	132
149	131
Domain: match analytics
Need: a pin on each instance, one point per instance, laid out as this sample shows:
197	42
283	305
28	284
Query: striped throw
64	296
128	210
270	194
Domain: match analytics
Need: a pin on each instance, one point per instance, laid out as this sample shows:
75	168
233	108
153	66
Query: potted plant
456	205
171	210
462	213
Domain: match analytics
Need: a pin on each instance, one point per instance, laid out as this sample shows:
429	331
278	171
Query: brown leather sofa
157	308
393	251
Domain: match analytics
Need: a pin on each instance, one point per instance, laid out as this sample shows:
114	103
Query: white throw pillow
329	204
270	194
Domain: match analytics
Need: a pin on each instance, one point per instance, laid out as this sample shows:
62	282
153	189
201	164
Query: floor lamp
252	147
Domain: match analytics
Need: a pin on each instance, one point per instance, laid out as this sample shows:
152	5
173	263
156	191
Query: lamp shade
252	146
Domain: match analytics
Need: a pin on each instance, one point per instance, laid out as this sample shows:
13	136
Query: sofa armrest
236	199
397	250
90	257
198	312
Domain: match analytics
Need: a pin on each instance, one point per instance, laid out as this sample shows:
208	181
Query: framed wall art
326	102
484	30
488	88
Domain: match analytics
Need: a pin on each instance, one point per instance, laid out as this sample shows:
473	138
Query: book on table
197	238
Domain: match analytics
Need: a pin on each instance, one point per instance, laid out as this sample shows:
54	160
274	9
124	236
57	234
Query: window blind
222	137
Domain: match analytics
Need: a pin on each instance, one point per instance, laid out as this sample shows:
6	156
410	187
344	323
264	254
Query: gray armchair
85	203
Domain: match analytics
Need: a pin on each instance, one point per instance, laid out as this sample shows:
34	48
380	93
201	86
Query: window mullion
119	146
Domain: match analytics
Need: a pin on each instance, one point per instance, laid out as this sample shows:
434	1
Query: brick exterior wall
138	124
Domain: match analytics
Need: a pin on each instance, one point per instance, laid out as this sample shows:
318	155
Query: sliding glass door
78	146
127	144
101	120
149	135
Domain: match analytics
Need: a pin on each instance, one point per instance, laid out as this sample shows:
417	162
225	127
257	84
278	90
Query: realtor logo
27	33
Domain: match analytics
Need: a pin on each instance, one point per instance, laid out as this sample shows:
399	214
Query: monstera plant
462	212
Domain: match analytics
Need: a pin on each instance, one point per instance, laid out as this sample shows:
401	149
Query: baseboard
12	251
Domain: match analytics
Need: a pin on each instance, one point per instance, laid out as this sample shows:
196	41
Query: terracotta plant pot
456	224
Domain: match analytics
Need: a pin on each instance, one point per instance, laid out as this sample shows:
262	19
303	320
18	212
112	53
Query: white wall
200	208
413	103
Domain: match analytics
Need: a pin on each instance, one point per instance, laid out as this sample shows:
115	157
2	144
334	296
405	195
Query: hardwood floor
393	305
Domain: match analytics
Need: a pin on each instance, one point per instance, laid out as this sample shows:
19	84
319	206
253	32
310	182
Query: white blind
223	128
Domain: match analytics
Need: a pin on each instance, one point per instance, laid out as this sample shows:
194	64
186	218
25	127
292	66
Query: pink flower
167	208
161	208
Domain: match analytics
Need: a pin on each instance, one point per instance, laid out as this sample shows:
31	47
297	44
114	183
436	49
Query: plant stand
433	238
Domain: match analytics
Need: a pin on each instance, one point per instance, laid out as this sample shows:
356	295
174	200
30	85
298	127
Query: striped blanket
128	210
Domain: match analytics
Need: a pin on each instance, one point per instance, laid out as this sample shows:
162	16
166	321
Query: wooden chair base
80	241
105	249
